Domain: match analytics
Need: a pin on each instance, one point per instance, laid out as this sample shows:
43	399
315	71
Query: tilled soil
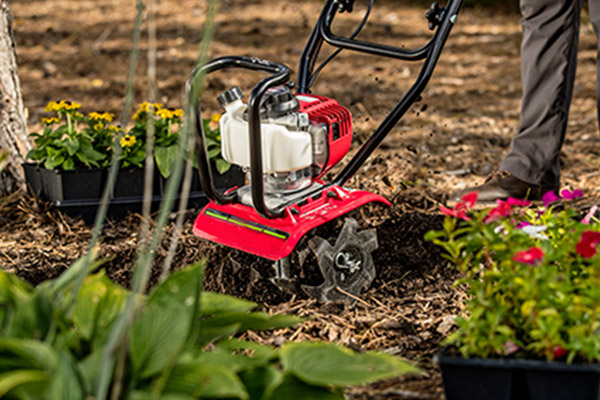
455	136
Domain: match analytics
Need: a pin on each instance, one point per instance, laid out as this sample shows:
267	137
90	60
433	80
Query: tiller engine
286	142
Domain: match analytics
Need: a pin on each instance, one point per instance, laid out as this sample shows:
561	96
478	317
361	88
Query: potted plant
68	159
73	151
531	326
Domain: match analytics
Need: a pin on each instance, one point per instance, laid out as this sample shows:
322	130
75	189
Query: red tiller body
338	120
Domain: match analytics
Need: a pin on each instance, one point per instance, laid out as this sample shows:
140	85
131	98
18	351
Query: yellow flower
49	121
67	105
170	113
215	117
99	126
113	128
128	141
51	106
96	116
165	113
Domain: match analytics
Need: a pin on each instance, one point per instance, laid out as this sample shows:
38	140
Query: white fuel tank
283	150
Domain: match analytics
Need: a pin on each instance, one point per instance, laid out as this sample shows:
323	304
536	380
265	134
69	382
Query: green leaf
261	382
258	350
32	319
28	353
144	395
99	303
293	388
157	336
326	364
207	335
66	382
181	286
222	165
68	165
165	159
213	303
13	379
205	381
72	146
253	321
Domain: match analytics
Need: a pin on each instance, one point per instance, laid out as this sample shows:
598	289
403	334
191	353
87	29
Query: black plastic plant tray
120	207
509	379
72	185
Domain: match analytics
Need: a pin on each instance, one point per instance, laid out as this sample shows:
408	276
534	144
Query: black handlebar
280	74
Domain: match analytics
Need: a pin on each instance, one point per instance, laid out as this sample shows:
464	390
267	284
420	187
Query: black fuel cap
229	96
279	101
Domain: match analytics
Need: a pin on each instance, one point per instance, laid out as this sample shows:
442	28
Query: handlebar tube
280	74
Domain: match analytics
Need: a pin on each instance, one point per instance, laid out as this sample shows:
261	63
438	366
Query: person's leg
594	7
548	64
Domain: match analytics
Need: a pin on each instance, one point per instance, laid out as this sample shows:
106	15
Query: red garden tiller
286	142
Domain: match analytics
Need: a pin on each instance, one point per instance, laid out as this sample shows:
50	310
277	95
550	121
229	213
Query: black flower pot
130	183
33	177
60	185
232	178
504	379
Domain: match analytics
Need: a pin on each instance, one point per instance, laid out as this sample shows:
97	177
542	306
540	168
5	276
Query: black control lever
435	15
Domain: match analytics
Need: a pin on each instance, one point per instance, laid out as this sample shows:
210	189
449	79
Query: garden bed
454	137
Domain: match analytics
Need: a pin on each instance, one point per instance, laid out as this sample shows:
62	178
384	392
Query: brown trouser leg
548	64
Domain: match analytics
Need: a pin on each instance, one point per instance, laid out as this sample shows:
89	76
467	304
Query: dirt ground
455	136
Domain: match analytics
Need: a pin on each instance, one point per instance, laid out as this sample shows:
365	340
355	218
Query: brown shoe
500	186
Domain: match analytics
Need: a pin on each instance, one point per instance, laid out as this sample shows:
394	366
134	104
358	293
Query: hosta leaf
213	303
32	319
11	380
142	395
65	383
12	289
205	381
293	388
261	382
250	321
207	335
181	286
258	350
98	304
157	336
326	364
235	362
28	353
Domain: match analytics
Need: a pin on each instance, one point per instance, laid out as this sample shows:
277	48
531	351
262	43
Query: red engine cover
337	118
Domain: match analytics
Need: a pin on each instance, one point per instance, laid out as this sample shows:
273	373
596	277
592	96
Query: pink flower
461	208
518	202
459	212
588	217
501	210
470	199
568	195
531	256
587	246
549	197
522	224
509	347
559	352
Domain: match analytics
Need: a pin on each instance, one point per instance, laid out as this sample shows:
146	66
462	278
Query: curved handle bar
280	74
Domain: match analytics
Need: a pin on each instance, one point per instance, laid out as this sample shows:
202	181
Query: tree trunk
13	126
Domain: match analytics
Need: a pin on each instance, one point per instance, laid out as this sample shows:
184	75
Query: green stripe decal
247	224
212	214
277	235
